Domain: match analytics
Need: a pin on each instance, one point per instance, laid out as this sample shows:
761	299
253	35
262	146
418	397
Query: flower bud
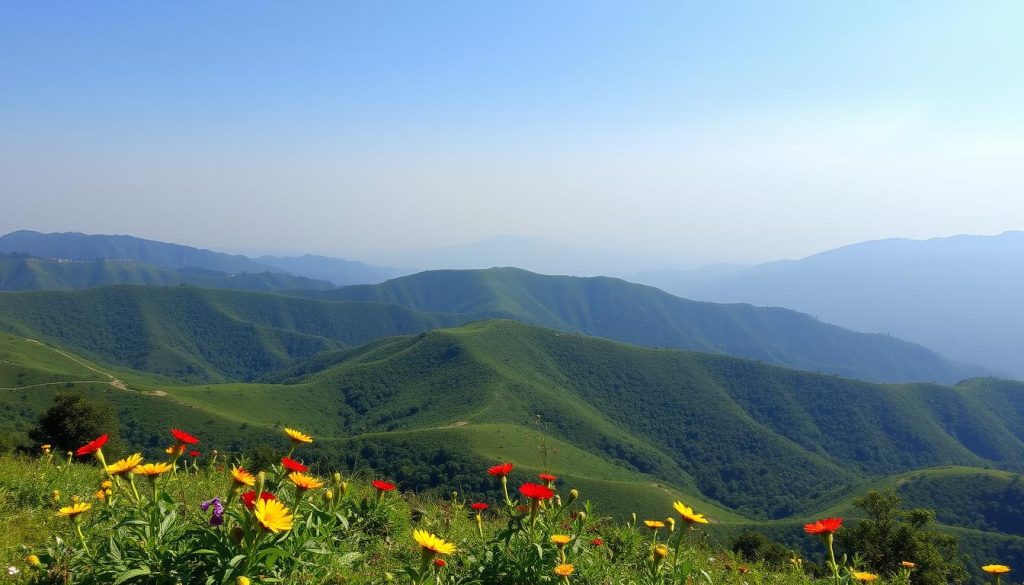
671	523
261	482
581	516
632	519
343	489
55	496
33	561
574	495
237	534
660	552
336	479
329	495
106	484
243	580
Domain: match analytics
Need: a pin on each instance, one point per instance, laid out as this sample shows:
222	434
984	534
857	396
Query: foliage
891	534
73	421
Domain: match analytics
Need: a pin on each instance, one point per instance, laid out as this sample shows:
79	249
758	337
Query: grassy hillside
643	315
202	334
21	273
753	445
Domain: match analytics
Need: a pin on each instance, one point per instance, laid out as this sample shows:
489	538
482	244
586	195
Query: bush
73	421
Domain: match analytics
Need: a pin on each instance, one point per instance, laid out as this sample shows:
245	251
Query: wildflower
100	495
501	470
249	498
547	478
273	515
106	484
46	451
479	506
564	570
742	569
439	563
560	540
242	477
184	438
33	561
12	570
298	437
432	543
996	571
688	515
243	580
536	491
908	565
597	542
152	470
74	510
826	526
305	482
654	524
92	446
122	466
382	486
217	518
660	551
864	577
671	523
194	454
293	465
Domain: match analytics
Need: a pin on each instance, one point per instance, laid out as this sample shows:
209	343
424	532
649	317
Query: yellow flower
660	551
242	477
564	570
864	577
124	465
74	509
106	484
298	437
305	482
560	540
908	565
273	515
432	543
688	514
996	569
243	580
100	495
654	524
33	561
151	470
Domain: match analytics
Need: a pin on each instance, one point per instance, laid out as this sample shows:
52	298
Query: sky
691	132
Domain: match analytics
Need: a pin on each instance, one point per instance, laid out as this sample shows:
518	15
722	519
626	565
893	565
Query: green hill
19	272
202	334
751	444
643	315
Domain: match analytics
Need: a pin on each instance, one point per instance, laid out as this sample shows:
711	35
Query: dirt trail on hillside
119	384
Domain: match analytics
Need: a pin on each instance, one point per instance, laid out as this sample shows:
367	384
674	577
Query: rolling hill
958	295
643	315
753	445
202	334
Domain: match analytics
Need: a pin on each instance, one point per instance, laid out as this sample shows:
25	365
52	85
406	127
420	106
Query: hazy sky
712	131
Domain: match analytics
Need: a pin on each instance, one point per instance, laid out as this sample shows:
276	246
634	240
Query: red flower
293	465
93	446
249	498
826	526
597	542
501	470
535	491
546	477
194	453
479	506
183	437
439	562
383	486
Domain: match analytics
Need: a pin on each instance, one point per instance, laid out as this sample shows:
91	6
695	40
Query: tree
754	546
892	534
73	421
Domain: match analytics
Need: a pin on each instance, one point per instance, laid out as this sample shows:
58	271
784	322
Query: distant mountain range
959	295
176	257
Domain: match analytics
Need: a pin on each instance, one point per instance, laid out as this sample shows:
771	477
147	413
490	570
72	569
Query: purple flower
218	511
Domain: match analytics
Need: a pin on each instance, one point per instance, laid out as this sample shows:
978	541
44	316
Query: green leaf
127	575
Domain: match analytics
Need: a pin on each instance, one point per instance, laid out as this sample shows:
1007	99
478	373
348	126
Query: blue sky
732	131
